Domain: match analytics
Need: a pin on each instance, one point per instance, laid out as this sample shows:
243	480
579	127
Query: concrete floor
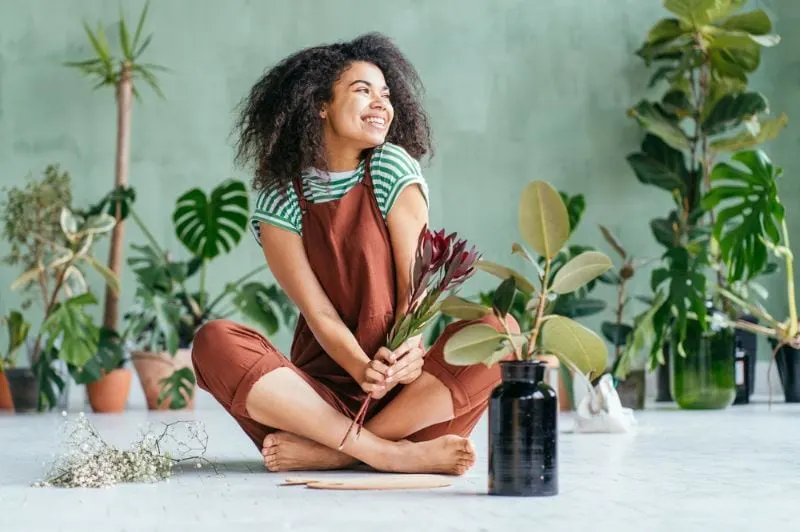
737	469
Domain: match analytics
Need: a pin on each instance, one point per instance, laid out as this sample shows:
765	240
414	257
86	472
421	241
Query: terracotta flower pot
110	393
152	367
6	402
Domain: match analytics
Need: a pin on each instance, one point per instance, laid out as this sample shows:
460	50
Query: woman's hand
375	373
406	362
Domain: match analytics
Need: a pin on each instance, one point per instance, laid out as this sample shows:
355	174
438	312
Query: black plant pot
788	361
746	356
24	389
523	433
663	382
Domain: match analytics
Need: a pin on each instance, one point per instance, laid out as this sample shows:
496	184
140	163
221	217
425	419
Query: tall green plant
120	71
702	56
544	225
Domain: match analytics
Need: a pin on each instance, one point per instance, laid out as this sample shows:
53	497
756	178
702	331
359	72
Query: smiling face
360	113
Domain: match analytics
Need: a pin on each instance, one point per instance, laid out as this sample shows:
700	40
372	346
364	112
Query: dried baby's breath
91	462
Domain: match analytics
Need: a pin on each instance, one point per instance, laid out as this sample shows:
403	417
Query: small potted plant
748	189
523	408
54	247
17	332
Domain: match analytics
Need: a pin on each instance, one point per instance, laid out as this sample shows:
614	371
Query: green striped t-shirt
392	170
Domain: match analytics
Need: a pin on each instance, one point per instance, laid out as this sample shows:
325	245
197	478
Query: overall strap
301	199
367	174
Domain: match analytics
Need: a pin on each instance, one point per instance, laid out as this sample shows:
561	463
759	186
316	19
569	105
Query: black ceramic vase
523	433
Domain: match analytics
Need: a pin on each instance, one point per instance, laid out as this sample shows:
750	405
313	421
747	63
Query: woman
334	133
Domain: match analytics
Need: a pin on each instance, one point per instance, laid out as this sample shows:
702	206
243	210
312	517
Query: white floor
737	469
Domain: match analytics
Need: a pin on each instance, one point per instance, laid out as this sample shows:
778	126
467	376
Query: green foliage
702	57
177	388
752	212
109	355
210	226
108	69
30	217
545	226
17	330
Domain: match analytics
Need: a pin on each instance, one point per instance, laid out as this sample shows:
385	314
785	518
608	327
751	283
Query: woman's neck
341	155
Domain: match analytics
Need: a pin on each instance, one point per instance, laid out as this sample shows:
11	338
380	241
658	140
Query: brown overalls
348	247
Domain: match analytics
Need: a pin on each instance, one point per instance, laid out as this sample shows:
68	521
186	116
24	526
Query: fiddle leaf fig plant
702	56
544	226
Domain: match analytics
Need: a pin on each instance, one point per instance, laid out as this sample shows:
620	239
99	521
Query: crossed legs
299	426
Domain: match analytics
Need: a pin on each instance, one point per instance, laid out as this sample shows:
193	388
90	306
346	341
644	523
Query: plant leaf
665	30
109	276
504	296
462	309
754	22
613	241
749	217
571	341
572	306
654	119
98	224
615	333
140	25
733	109
263	305
660	165
177	388
543	219
504	272
579	271
69	224
769	129
26	277
211	226
472	344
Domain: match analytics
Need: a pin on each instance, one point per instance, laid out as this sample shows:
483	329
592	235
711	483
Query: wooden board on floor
373	482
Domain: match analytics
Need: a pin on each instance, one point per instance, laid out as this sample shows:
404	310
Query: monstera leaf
70	323
751	213
210	226
265	305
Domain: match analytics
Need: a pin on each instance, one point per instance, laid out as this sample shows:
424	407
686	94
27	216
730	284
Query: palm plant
121	72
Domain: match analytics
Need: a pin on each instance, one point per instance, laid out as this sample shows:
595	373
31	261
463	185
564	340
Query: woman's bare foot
284	451
449	455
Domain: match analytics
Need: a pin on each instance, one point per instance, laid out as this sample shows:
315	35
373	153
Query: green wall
516	91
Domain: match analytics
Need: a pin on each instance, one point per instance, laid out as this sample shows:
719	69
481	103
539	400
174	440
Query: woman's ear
323	113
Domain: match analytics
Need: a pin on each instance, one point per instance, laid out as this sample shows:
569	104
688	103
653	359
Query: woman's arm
288	262
408	216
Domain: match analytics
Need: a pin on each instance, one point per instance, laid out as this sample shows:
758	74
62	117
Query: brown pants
229	358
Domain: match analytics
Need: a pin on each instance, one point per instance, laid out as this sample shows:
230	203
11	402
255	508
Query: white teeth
375	121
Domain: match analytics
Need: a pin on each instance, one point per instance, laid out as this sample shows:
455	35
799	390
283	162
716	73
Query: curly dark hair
279	128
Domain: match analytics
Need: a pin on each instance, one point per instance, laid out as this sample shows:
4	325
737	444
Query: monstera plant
167	312
544	226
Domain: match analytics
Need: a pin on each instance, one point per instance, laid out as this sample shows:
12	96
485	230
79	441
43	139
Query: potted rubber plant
167	310
702	56
523	408
575	305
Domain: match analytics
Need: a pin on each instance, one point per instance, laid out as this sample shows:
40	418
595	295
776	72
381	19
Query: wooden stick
359	417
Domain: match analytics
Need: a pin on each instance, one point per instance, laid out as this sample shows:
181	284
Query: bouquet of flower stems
441	265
